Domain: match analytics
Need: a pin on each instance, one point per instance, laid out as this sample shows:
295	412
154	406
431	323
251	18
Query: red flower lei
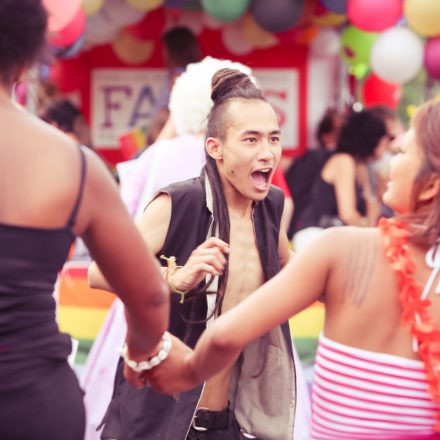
415	313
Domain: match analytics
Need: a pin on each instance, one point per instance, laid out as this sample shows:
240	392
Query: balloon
327	43
358	70
130	50
121	13
91	7
225	10
375	91
397	55
145	5
277	15
322	17
423	16
374	15
192	5
71	32
256	35
234	40
432	57
337	6
99	30
210	22
61	12
356	45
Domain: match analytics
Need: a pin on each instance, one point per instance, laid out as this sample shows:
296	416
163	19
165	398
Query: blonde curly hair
190	99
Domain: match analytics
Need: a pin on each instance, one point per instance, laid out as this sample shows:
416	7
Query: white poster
125	98
122	99
280	88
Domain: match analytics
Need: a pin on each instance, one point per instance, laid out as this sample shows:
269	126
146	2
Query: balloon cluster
382	38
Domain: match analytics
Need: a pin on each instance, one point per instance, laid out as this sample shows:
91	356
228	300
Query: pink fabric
165	162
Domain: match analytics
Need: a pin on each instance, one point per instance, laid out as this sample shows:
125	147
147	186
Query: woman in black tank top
342	193
51	191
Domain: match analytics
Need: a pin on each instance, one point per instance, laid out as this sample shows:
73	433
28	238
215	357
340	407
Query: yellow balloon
423	16
145	5
131	50
411	110
256	35
329	19
91	7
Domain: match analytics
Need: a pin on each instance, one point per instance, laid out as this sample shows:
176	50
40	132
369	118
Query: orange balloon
329	19
256	35
130	49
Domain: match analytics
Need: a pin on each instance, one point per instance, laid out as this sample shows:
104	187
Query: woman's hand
208	258
175	373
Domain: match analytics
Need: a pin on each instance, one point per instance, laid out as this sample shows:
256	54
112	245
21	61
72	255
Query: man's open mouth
261	178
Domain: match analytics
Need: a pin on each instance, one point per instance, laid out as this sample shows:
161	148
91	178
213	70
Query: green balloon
225	10
356	45
359	70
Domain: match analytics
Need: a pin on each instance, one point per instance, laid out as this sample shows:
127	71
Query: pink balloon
61	12
374	15
432	57
70	33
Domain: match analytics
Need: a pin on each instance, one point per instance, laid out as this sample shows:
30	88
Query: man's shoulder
189	186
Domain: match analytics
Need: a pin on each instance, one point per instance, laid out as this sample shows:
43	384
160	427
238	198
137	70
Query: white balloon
99	30
397	55
121	13
327	43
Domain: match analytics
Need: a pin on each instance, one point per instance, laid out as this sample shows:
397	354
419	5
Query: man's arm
153	227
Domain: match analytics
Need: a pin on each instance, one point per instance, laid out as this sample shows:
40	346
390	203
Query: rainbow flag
82	311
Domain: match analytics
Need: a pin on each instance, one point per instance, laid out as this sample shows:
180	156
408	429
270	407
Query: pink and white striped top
358	394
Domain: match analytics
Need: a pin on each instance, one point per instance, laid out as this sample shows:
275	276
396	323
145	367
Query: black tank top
30	259
322	209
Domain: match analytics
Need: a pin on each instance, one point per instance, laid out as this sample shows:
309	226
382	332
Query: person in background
180	48
51	191
379	169
303	171
65	116
377	369
342	192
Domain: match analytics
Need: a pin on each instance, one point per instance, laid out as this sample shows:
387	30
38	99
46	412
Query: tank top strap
72	218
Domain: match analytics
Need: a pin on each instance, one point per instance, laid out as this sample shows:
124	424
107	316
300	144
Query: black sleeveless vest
144	414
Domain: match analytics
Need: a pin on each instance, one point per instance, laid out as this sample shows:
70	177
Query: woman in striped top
378	362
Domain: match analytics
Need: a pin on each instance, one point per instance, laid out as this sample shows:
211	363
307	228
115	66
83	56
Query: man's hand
174	374
208	258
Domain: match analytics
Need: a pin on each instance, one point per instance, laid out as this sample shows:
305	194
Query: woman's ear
214	148
431	189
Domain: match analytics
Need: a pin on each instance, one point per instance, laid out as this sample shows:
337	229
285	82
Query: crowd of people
206	279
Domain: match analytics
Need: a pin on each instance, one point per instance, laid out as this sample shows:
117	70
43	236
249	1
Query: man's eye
274	139
250	139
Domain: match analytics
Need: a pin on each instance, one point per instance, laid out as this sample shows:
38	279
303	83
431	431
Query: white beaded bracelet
154	361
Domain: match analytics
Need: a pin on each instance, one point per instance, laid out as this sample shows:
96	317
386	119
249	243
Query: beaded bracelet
154	361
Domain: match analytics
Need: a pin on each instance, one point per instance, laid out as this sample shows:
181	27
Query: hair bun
231	83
